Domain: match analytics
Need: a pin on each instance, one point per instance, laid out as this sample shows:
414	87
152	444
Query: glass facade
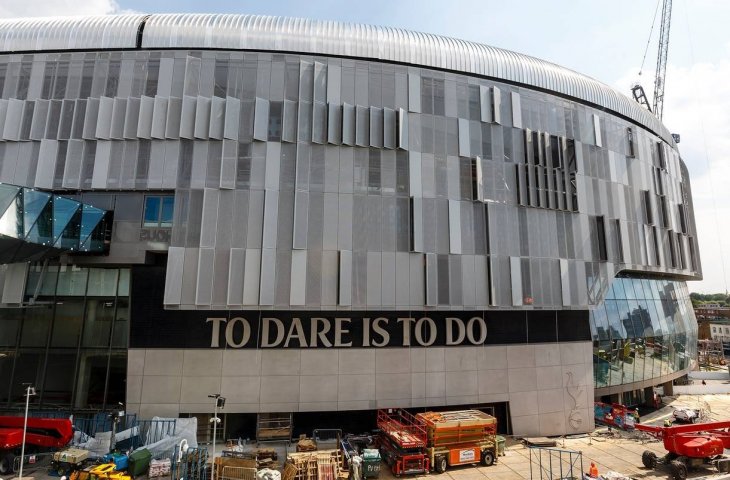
645	329
52	221
71	342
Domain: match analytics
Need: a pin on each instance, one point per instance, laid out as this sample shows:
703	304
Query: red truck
42	434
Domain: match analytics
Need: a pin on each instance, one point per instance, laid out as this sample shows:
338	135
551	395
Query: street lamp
220	402
29	390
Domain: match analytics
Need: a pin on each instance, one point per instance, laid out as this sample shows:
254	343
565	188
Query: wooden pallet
318	465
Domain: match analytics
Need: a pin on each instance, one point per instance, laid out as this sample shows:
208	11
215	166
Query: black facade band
153	327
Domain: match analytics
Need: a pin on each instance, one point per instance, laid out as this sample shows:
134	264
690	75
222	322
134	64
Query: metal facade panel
261	120
47	164
496	102
344	297
516	110
298	277
204	285
174	275
11	130
146	112
454	226
251	32
104	120
402	129
232	115
202	118
334	124
174	112
101	165
119	111
251	276
236	263
271	218
217	117
131	118
66	33
187	119
516	280
268	276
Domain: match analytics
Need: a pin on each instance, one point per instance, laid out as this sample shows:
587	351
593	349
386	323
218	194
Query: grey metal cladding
69	33
253	32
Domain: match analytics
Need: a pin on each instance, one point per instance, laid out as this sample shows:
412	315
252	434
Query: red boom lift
41	434
689	446
402	442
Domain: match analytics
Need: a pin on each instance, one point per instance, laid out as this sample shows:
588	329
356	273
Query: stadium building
308	216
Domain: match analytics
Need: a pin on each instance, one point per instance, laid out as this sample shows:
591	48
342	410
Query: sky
604	39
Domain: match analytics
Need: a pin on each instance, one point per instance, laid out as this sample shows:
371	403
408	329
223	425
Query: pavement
611	451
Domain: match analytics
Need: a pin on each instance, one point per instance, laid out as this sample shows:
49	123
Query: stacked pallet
319	465
306	444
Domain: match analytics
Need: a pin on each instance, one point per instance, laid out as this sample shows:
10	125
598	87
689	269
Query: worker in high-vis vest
593	472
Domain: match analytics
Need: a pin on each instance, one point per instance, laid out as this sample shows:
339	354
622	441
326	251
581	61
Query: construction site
665	443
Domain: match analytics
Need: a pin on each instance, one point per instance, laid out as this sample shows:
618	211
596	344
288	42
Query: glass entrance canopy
35	225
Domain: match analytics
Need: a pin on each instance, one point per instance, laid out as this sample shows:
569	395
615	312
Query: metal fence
555	463
190	465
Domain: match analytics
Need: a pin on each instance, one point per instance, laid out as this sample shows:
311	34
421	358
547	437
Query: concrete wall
549	387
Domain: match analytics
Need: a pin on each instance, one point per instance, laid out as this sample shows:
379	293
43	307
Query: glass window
102	282
98	322
9	326
67	322
121	324
116	390
158	211
91	379
59	378
28	369
36	323
6	369
72	281
123	282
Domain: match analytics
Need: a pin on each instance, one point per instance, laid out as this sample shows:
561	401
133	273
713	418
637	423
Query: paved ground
611	452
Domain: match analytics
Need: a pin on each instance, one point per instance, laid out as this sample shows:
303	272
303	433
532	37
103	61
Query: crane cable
648	40
707	156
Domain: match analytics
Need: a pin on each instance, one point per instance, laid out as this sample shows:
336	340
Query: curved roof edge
256	32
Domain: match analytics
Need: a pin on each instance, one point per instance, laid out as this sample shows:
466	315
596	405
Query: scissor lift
402	442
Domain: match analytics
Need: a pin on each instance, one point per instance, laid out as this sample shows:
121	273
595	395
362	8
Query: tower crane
661	66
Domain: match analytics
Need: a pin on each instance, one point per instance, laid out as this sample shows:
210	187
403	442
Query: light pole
220	402
29	390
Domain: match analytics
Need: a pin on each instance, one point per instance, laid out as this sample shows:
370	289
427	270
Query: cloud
49	8
697	106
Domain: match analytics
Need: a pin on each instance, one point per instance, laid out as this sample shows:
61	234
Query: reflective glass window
158	211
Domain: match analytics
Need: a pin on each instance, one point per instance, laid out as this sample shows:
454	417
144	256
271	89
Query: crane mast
661	61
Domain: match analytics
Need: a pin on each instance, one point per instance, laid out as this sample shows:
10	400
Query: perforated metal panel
252	32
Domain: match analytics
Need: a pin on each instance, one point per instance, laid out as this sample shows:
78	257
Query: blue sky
604	39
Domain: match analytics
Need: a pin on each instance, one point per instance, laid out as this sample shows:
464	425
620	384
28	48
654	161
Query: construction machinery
689	446
69	460
661	65
42	434
460	438
105	471
402	442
